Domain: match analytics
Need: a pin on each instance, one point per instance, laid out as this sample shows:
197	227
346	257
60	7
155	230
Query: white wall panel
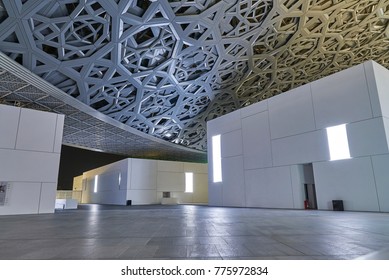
372	79
256	141
200	188
36	131
367	138
22	198
209	156
28	166
171	181
386	127
170	166
233	181
87	191
303	148
108	182
254	109
381	75
183	197
114	198
126	175
215	194
269	187
291	113
121	166
279	180
381	165
117	197
144	174
108	189
255	188
139	197
195	167
350	180
231	143
227	123
59	133
47	197
298	181
341	98
77	183
9	121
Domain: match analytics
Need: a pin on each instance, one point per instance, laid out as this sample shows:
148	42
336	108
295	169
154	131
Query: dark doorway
310	196
309	187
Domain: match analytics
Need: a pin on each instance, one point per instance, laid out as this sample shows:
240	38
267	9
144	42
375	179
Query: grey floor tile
171	252
274	249
226	250
180	240
193	232
203	251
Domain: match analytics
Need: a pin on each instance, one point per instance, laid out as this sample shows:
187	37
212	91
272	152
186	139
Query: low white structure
141	181
30	147
280	152
66	203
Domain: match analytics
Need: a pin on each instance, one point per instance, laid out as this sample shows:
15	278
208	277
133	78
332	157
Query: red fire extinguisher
306	204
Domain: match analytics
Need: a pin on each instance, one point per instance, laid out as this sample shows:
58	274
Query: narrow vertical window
96	183
188	182
216	159
120	178
338	142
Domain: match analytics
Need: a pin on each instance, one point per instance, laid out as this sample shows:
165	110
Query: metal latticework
165	67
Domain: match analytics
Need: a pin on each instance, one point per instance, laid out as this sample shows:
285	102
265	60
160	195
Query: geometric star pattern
165	67
84	126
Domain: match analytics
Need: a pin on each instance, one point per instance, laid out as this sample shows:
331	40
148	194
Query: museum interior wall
274	153
141	181
30	148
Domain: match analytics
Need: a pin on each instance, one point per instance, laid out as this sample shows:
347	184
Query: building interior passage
193	232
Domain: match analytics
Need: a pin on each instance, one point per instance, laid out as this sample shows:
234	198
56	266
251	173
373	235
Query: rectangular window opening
96	183
188	182
216	159
338	142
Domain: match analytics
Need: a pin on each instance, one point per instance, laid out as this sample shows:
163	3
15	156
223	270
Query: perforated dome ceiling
165	67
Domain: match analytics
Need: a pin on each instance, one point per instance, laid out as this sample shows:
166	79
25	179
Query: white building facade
30	150
281	152
141	181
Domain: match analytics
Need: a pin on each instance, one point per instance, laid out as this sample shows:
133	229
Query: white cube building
141	181
30	149
324	141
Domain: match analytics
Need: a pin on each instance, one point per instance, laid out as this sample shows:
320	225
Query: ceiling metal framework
165	67
84	126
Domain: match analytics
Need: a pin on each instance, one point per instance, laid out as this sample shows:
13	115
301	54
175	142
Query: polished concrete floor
193	232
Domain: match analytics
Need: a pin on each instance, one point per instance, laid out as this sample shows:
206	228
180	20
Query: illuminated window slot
188	182
96	183
216	159
338	142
